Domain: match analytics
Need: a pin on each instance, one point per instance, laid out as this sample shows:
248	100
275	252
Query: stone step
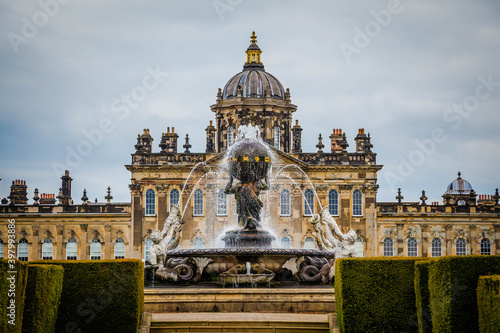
286	300
239	322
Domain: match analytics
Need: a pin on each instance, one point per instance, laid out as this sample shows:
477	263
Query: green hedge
422	296
488	301
100	295
8	294
375	295
43	293
452	284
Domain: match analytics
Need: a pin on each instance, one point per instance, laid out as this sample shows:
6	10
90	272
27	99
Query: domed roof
253	80
459	186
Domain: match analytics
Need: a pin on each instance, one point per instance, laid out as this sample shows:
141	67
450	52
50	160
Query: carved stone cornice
345	187
320	188
135	188
448	226
162	188
370	189
84	227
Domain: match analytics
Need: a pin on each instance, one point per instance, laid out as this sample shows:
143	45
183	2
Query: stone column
449	239
107	241
59	241
400	239
35	240
370	221
345	214
137	221
473	239
425	239
162	191
83	242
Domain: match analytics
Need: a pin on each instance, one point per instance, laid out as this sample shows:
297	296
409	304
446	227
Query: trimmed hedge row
12	288
422	296
452	284
100	295
43	293
375	294
488	301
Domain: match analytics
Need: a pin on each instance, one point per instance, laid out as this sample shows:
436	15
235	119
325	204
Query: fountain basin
239	279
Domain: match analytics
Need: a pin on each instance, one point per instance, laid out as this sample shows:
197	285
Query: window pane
285	243
198	203
198	243
47	249
221	203
436	247
1	249
357	204
174	197
486	246
333	202
285	203
22	250
359	247
147	246
412	247
71	249
308	203
461	247
388	247
277	137
309	243
150	202
119	248
230	136
95	249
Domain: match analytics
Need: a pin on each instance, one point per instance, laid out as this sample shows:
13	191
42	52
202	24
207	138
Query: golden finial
253	37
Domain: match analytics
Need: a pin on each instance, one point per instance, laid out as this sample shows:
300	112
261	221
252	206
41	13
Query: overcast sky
423	77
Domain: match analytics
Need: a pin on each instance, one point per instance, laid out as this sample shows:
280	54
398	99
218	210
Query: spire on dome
253	53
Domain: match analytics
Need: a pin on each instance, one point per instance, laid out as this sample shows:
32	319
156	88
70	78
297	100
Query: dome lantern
253	53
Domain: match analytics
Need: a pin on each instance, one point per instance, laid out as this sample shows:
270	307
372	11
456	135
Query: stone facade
344	180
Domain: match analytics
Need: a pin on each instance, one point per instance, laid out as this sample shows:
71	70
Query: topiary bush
100	295
452	285
488	302
43	293
12	291
375	295
422	297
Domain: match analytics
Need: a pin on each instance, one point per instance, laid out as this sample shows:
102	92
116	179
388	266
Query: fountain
248	257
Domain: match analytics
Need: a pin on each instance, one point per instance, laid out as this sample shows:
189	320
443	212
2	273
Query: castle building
302	183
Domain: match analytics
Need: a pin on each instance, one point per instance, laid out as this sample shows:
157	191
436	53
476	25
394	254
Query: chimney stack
335	140
144	142
18	192
297	138
168	142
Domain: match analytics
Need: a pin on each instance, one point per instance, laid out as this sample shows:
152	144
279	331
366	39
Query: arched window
230	136
357	203
333	202
119	248
221	203
71	249
388	247
1	249
285	242
47	249
198	243
285	203
147	246
95	249
412	247
359	247
485	246
174	197
22	250
309	243
198	203
461	247
276	137
150	202
436	248
308	203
